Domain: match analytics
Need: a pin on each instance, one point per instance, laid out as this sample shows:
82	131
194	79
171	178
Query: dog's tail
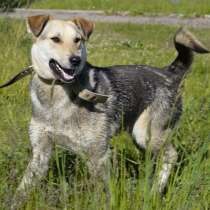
185	43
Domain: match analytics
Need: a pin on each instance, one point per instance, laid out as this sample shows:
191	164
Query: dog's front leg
99	168
37	167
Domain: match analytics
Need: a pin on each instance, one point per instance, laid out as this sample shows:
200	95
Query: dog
144	99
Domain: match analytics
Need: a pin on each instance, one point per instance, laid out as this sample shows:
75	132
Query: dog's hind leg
149	133
168	160
160	146
140	130
37	167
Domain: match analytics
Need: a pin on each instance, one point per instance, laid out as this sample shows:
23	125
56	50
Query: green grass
186	7
68	186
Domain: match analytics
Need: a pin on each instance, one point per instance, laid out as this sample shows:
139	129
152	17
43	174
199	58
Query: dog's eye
77	40
56	39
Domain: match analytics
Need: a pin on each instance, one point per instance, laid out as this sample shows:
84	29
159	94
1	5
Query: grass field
67	186
134	7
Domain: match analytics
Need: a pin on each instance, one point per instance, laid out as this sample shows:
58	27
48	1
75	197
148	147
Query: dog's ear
36	24
85	25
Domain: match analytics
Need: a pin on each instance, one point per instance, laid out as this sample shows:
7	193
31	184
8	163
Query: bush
8	4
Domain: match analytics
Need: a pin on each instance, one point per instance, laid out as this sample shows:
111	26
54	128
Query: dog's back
138	87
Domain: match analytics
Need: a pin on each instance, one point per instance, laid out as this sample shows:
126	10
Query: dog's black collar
81	92
51	81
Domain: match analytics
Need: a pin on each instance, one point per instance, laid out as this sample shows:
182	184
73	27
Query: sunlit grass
135	7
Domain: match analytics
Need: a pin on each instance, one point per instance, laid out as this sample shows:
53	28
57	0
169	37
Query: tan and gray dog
143	97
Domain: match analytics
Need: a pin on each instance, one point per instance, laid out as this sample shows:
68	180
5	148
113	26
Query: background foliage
8	4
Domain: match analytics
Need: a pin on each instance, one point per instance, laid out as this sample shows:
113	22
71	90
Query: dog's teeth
58	67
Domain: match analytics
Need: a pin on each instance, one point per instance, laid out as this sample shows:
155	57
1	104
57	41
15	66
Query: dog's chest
68	123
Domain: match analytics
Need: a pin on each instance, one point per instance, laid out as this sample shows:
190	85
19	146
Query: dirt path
100	16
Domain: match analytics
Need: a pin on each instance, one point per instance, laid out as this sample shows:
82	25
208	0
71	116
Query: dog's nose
75	60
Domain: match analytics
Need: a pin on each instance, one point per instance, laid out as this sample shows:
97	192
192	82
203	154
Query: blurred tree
9	4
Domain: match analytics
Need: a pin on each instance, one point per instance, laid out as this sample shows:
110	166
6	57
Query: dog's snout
75	60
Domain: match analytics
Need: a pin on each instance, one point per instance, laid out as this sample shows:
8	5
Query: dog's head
59	51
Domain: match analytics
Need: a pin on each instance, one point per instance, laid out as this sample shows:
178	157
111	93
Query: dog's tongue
67	76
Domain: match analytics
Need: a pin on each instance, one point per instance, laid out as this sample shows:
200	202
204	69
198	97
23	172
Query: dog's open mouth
64	74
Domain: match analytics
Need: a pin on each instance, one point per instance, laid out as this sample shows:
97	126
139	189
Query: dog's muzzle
66	75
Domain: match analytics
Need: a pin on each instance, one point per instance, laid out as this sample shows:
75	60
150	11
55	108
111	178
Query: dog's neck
80	87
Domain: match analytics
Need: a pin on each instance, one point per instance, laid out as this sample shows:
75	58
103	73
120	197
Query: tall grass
68	185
